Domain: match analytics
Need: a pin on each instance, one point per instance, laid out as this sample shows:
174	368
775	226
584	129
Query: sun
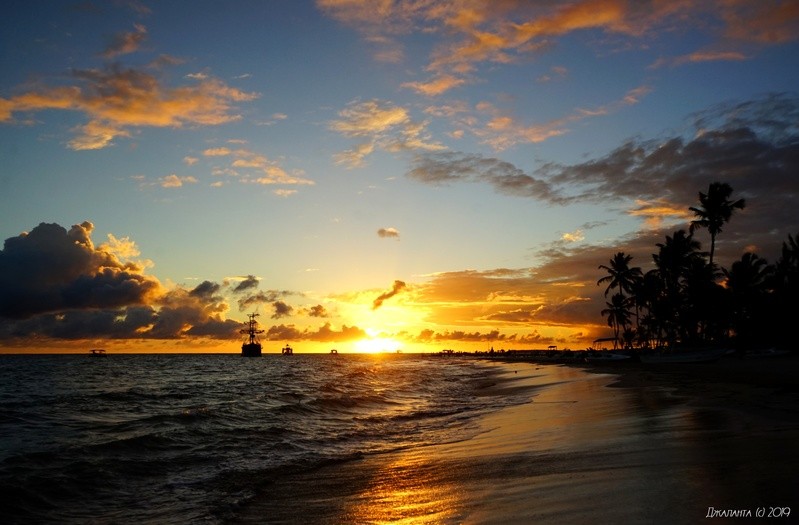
375	345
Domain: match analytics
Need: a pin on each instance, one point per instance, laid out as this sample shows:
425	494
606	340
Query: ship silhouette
251	347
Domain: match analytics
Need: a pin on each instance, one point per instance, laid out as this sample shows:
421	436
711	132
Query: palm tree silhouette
618	315
620	275
715	210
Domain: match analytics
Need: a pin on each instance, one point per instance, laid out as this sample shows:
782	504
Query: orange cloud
125	43
382	125
700	56
503	131
658	211
436	86
761	22
116	100
477	31
174	181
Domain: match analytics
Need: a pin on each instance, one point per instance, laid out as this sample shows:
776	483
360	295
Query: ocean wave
180	439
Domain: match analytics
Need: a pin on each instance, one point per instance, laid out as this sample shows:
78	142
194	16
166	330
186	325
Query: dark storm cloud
325	333
752	145
281	309
450	167
492	337
82	324
250	282
397	288
206	289
749	144
269	296
52	269
317	311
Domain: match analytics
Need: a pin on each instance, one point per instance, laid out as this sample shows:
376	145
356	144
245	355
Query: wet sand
626	444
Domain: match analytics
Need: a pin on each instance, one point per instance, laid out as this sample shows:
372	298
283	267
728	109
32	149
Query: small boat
334	352
684	356
97	352
287	350
251	347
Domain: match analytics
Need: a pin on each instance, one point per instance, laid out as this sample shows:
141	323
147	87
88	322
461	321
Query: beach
628	444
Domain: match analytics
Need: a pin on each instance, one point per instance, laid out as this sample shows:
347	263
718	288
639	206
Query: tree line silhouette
687	300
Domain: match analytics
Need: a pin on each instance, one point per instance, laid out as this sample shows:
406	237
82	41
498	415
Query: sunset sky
373	175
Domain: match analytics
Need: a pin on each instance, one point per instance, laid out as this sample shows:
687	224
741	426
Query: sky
373	175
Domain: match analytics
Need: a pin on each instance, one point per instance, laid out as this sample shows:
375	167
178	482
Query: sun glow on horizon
376	345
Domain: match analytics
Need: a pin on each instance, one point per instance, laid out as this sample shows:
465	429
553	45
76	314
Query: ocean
194	438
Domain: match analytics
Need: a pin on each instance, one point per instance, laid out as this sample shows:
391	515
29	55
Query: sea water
192	438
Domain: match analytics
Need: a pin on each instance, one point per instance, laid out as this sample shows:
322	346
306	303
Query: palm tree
620	275
715	210
673	262
785	307
675	257
747	282
618	315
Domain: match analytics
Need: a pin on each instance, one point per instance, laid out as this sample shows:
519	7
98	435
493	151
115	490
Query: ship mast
252	329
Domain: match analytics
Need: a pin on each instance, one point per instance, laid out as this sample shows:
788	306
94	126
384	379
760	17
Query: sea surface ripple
190	438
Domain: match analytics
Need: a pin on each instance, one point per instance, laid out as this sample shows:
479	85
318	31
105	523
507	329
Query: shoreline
610	443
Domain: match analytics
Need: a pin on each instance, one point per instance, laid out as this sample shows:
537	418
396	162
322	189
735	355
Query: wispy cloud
255	168
699	57
502	131
398	287
474	32
380	125
124	43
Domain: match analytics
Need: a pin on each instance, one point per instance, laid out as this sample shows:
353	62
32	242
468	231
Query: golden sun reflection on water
411	489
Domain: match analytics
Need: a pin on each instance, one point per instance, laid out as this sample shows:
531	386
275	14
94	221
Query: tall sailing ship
251	347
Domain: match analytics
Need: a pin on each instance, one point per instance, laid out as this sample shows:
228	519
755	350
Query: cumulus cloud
116	100
388	233
176	181
52	269
318	311
395	289
56	283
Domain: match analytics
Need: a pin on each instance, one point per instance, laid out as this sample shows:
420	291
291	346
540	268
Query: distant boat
334	352
287	350
97	352
251	347
687	356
